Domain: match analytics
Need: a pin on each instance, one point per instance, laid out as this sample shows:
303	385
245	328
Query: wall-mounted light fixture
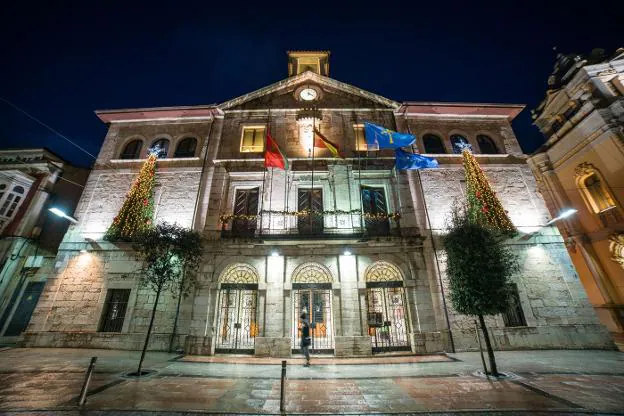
59	212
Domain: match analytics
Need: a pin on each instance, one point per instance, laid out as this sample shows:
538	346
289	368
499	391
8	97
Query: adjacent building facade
31	181
348	240
581	166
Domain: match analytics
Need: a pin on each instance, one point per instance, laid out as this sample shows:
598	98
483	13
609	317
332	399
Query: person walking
305	338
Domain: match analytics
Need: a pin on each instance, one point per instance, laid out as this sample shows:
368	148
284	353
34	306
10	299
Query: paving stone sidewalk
38	381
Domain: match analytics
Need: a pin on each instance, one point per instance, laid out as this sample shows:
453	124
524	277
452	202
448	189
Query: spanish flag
322	142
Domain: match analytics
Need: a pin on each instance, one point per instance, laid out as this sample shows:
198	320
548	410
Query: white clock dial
308	94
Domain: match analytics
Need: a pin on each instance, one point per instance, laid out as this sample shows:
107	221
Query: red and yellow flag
273	156
322	142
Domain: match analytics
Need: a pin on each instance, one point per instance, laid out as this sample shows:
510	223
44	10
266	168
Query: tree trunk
488	345
149	332
175	322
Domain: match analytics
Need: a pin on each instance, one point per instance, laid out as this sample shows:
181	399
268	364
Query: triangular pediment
333	94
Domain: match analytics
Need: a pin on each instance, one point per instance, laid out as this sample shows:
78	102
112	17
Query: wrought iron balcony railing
311	225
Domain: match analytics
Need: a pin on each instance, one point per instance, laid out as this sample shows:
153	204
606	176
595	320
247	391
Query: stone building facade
31	181
581	166
369	280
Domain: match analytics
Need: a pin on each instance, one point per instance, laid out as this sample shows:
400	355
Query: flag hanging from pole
322	142
405	160
378	137
273	156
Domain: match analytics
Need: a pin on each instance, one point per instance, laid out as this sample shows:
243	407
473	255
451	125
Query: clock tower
302	61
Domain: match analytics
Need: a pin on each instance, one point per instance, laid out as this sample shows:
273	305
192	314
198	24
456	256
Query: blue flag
406	160
378	137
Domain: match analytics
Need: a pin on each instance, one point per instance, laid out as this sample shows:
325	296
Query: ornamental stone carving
616	246
584	169
239	273
382	271
311	273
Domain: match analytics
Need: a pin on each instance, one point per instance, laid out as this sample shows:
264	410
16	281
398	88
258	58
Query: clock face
308	94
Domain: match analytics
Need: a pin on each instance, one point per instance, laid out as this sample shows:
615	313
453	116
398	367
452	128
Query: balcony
315	226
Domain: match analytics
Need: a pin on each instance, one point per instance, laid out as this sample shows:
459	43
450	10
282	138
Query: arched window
163	144
599	197
486	145
457	141
596	193
132	150
186	147
433	144
12	201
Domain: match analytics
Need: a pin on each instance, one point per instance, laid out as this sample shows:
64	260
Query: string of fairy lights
484	207
225	218
137	211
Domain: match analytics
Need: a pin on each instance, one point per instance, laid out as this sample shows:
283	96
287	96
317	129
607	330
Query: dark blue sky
63	60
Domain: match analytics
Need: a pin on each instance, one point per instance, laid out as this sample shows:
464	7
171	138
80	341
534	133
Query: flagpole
271	200
312	186
437	262
262	198
285	198
360	176
398	186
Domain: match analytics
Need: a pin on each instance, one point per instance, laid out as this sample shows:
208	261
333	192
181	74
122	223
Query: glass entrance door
387	321
237	326
316	303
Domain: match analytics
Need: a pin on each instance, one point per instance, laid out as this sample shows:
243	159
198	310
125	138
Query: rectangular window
114	310
253	139
514	316
360	139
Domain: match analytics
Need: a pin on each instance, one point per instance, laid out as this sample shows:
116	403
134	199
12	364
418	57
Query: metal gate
315	301
237	326
387	316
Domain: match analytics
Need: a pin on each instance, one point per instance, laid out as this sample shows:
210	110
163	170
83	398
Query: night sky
63	60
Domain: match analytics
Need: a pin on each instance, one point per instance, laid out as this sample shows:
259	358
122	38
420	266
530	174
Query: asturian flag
378	137
405	160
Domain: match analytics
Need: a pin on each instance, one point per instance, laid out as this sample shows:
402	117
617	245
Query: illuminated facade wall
376	281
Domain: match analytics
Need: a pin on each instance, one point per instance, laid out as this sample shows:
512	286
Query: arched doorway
237	324
386	308
312	295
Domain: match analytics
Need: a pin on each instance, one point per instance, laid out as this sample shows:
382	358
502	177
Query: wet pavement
38	381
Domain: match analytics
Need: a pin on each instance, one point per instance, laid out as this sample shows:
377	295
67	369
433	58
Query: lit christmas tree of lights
484	206
136	213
